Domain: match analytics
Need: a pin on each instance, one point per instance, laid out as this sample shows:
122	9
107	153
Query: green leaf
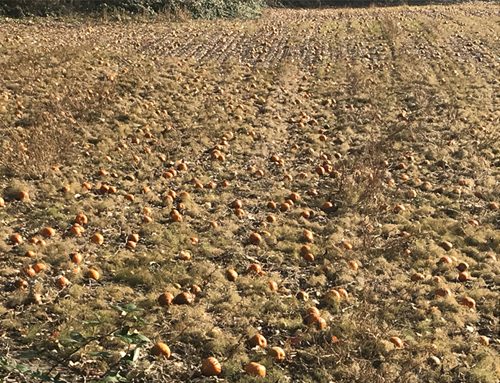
22	368
143	338
134	338
128	308
76	336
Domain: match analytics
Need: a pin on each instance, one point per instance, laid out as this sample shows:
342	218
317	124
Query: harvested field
346	160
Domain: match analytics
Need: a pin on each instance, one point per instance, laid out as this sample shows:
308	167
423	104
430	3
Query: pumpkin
165	299
446	245
327	206
468	302
463	276
258	340
237	204
195	289
353	265
347	245
493	206
39	267
445	260
411	193
273	286
484	340
255	369
29	271
184	298
77	230
134	237
308	257
277	353
255	238
185	255
271	205
320	323
16	239
231	275
285	206
417	277
21	284
332	296
76	258
396	341
182	167
343	293
23	195
62	281
175	216
239	212
210	367
255	268
161	349
308	235
93	274
97	238
443	292
462	266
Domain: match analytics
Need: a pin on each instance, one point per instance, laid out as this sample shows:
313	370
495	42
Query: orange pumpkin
16	239
93	274
258	340
76	258
255	369
255	268
396	341
468	302
308	235
98	239
165	299
184	298
255	239
62	281
176	216
273	286
231	275
39	267
161	349
211	367
277	353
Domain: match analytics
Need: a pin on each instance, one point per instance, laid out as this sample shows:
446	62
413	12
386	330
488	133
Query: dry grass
399	105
